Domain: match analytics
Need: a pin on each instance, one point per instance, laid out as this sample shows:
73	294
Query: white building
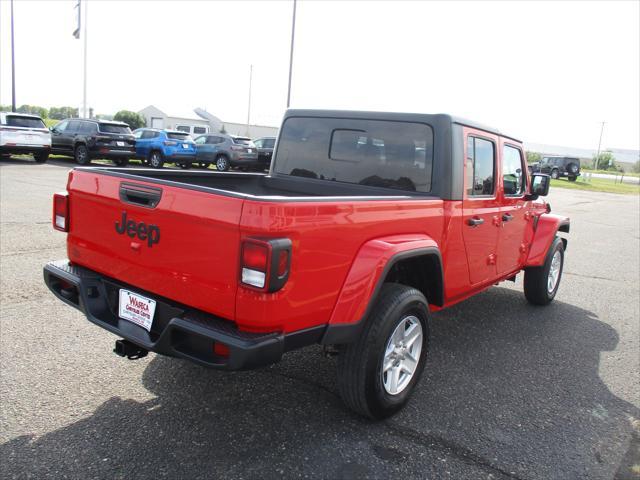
200	121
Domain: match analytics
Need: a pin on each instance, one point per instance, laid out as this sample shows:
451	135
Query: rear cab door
481	204
514	215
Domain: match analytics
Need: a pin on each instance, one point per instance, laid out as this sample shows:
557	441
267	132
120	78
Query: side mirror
540	184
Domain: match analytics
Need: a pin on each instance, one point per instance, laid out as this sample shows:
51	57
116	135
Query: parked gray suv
225	151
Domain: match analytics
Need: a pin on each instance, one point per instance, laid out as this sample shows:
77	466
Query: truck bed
273	188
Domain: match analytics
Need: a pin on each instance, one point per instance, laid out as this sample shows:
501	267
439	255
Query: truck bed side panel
326	237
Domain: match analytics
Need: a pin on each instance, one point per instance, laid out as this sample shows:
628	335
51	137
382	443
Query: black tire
555	173
360	375
536	279
222	163
571	178
81	155
121	162
156	160
41	157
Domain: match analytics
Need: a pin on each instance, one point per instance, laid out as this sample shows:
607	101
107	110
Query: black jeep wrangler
557	167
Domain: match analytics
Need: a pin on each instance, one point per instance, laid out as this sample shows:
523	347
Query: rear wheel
41	157
571	178
554	173
121	162
572	168
378	372
155	159
541	283
81	155
222	163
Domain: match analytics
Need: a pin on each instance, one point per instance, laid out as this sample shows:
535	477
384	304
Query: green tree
533	157
636	167
133	119
60	113
605	161
33	110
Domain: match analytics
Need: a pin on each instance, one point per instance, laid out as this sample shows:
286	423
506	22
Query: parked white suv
23	133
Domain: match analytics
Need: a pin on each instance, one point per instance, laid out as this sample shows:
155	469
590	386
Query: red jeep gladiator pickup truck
365	224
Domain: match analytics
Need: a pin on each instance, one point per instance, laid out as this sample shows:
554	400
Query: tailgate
176	242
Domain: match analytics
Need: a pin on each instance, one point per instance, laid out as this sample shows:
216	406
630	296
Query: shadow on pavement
510	390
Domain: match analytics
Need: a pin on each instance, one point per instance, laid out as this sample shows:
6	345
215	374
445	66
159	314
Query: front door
481	208
512	245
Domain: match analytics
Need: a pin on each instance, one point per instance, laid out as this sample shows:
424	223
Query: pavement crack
595	277
439	443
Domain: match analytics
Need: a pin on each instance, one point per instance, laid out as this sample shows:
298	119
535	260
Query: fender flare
366	277
546	227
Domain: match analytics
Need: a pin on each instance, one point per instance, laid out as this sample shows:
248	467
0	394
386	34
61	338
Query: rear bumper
177	330
17	149
111	153
239	161
180	157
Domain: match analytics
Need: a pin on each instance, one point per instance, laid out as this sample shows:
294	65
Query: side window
215	140
200	140
269	143
183	128
258	143
199	130
138	134
481	166
87	128
73	126
146	134
512	171
61	127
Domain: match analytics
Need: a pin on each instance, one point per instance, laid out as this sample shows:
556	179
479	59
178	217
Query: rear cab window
24	122
242	141
379	153
115	128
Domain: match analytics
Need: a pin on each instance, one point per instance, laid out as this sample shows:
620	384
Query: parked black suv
558	167
86	139
265	150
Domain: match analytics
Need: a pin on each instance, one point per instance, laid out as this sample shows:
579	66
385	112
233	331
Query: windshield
367	152
114	128
178	136
26	122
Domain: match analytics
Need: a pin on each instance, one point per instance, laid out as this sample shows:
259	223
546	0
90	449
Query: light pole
293	34
13	66
84	63
249	108
595	167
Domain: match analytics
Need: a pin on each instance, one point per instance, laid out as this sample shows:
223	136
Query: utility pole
84	64
595	167
293	34
13	66
249	108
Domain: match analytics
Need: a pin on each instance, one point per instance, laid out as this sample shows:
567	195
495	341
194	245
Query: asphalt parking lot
509	391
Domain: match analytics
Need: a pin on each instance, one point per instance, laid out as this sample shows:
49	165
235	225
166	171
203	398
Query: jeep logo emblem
150	233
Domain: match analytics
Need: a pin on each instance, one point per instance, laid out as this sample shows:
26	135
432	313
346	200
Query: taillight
61	211
237	149
265	263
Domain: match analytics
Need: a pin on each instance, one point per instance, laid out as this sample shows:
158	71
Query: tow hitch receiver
125	348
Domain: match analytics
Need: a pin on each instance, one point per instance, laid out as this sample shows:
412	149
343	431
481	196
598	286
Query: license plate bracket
136	308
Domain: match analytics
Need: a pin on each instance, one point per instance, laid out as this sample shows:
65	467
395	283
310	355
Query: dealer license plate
120	144
136	308
185	146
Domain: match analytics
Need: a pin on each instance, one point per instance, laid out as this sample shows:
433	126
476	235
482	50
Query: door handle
474	222
507	217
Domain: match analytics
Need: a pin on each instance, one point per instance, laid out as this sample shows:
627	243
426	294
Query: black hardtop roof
436	118
32	115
